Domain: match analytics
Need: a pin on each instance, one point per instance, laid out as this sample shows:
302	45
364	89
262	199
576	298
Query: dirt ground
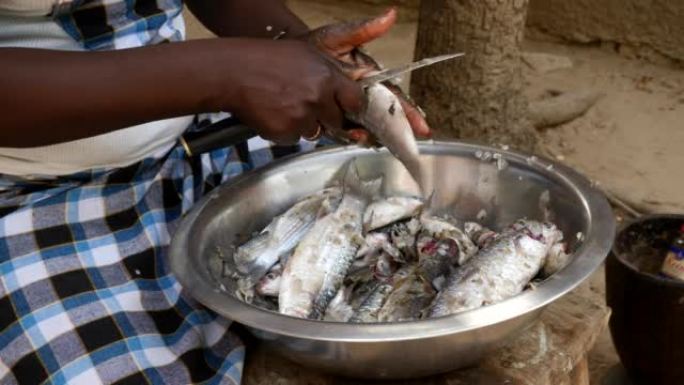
631	141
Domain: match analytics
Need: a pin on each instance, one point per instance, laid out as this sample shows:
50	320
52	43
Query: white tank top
23	24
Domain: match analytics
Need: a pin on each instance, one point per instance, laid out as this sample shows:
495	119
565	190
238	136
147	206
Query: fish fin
247	254
367	222
429	205
245	290
325	209
358	239
371	189
392	251
430	201
438	283
355	185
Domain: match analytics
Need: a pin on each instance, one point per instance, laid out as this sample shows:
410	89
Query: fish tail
321	303
353	183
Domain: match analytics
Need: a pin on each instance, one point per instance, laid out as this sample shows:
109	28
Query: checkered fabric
86	295
116	24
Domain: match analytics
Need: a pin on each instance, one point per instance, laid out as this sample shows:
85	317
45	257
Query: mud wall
648	29
643	28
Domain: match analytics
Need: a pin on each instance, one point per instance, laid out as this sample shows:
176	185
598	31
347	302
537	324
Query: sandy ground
631	140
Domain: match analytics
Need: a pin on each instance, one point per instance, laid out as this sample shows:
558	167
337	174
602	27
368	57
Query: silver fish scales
499	271
281	236
316	270
410	296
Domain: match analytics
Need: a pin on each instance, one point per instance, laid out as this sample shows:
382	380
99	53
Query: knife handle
224	133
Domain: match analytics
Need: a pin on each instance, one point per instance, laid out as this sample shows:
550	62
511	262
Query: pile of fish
346	254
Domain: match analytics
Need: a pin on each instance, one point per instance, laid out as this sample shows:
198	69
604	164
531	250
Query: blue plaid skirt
86	294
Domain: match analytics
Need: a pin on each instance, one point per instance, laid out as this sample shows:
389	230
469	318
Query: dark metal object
648	311
224	133
392	73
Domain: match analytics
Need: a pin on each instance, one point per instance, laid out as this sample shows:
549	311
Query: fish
403	236
436	258
358	274
368	309
384	267
384	117
500	270
374	244
267	303
254	258
478	234
556	260
360	284
339	309
387	211
443	229
409	298
316	270
269	284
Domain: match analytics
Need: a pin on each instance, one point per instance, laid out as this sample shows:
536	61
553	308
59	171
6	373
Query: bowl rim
614	252
588	257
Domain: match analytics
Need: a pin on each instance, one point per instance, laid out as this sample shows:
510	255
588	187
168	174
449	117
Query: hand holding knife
231	131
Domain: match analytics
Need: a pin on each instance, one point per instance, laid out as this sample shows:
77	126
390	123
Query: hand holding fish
303	86
342	42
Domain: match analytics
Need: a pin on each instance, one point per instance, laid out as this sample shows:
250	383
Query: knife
230	131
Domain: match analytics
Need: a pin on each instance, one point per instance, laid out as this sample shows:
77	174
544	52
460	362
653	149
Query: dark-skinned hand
342	43
288	88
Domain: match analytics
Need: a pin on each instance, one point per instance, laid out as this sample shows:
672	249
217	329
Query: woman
93	182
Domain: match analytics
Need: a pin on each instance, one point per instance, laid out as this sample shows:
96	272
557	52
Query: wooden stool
552	351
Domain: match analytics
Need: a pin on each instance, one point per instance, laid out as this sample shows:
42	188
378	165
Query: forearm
55	96
248	18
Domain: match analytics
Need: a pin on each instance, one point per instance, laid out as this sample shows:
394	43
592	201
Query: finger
315	134
361	59
360	73
362	137
330	113
349	95
309	128
343	37
416	119
413	114
358	135
293	131
352	70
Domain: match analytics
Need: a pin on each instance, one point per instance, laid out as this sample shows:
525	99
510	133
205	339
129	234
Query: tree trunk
477	97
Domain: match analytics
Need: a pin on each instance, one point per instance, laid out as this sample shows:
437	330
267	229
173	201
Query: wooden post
478	97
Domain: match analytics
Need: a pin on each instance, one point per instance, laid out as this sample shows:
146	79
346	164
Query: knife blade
408	67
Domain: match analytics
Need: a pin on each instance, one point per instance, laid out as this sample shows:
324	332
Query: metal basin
464	185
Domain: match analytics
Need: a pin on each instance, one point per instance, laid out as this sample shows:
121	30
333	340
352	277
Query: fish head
544	232
384	267
427	247
269	285
435	226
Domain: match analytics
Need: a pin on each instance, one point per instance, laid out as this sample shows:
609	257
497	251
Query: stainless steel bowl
464	185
